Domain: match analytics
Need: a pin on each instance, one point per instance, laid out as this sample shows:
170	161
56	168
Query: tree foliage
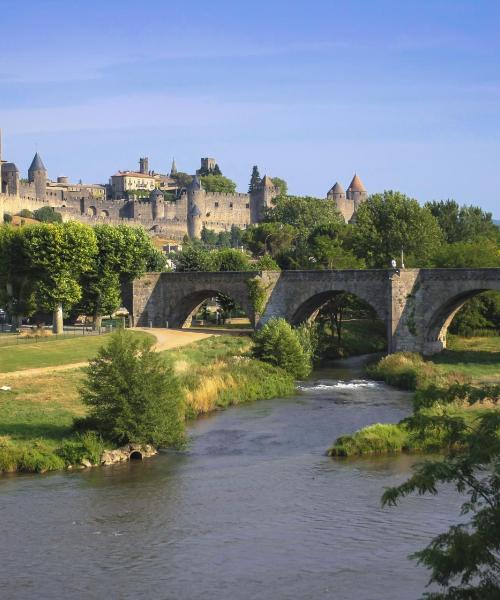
465	560
279	344
255	179
389	222
462	223
47	214
218	183
133	395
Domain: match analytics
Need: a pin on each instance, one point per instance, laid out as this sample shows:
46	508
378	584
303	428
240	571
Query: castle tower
157	204
260	198
196	200
173	168
9	179
144	165
37	174
356	192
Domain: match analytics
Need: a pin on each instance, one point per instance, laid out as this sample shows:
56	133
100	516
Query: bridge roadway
417	305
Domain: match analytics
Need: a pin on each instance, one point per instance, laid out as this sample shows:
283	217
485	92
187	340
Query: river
253	509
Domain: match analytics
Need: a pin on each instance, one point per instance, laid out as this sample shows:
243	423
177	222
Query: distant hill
497	222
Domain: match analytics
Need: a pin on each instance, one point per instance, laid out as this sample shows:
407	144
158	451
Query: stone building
162	208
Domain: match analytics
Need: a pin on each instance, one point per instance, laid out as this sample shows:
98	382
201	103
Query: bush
88	445
267	263
47	214
7	218
27	214
279	344
381	438
133	394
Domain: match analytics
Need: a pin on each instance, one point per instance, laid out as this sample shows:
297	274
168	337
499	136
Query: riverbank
466	375
37	414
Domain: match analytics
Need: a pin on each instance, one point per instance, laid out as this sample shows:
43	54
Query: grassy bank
470	367
36	416
49	351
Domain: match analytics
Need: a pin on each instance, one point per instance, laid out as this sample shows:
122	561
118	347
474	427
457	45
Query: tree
279	344
325	249
281	184
208	236
194	258
465	560
26	213
230	259
218	183
16	277
236	235
389	222
133	395
124	253
59	254
302	212
266	263
478	313
47	214
255	179
273	238
183	179
462	223
476	254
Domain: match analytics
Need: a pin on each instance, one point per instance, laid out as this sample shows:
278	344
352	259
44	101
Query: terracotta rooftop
337	189
356	185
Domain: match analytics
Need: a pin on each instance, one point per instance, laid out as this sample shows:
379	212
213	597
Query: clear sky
406	93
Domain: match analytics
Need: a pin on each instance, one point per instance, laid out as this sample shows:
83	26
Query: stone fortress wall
190	211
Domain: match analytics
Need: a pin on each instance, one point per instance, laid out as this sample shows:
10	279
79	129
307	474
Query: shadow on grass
30	431
472	357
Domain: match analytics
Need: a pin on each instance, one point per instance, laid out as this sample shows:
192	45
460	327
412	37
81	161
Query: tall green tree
133	395
218	183
123	254
389	222
281	184
462	223
255	179
475	254
16	276
59	254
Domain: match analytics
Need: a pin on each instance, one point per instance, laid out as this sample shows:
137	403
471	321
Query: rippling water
252	510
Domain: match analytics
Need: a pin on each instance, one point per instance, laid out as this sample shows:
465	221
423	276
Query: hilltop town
173	204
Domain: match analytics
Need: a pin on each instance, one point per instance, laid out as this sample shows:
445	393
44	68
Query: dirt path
165	340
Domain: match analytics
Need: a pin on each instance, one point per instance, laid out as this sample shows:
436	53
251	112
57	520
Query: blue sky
406	93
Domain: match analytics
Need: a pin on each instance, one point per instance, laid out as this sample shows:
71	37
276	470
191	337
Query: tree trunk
96	322
57	320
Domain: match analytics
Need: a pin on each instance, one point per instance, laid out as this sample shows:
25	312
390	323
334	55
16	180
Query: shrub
7	218
88	445
133	394
47	214
267	263
27	214
279	344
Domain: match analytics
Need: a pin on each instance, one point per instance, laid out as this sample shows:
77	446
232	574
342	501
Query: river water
252	510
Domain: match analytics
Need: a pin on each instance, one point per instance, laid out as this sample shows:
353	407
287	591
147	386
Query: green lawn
477	358
30	355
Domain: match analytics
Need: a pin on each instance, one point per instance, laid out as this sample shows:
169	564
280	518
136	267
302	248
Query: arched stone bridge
417	305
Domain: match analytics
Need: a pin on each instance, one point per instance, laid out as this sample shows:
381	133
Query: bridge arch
192	303
309	308
442	313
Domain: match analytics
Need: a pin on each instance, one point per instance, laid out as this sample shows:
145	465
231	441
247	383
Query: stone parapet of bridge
416	305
